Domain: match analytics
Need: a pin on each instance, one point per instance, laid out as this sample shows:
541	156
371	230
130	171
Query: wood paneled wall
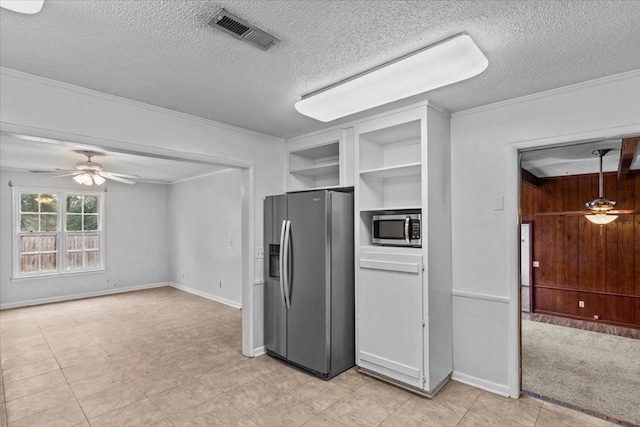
581	261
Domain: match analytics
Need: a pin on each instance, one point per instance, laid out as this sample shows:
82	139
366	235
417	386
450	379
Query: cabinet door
390	321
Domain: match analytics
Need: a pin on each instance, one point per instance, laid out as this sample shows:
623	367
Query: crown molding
547	93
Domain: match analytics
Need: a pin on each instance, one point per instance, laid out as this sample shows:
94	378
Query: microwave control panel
415	229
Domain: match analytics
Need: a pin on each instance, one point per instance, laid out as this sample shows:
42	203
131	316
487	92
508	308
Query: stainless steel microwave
397	230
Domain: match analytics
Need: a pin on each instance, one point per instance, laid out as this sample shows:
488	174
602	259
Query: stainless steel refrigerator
309	318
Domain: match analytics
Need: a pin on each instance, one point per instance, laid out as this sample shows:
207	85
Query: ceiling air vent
242	30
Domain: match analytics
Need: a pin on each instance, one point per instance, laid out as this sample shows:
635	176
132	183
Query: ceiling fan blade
120	175
116	178
571	213
563	213
53	171
622	212
66	174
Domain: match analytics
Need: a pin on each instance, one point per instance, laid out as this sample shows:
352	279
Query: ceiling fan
600	210
89	173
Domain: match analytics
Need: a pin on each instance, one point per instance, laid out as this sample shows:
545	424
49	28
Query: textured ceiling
164	53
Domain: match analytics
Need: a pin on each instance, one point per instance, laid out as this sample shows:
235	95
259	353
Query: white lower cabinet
391	316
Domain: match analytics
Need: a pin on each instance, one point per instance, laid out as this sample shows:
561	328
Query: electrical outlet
536	264
259	252
581	304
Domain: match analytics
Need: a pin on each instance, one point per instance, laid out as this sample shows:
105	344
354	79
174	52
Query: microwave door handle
282	263
407	223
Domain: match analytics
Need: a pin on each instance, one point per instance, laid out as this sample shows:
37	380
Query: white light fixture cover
449	61
28	7
89	178
79	179
98	179
601	219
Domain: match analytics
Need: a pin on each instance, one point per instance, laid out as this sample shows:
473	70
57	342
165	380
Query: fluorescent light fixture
23	6
449	61
601	219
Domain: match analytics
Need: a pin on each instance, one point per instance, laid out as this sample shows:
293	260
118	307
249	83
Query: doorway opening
564	357
50	141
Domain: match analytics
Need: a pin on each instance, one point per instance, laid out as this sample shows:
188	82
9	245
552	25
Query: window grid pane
29	222
38	212
38	252
29	263
83	251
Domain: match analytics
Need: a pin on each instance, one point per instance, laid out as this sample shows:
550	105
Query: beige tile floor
163	357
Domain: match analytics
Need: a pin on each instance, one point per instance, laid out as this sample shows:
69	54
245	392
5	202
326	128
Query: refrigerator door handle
287	284
282	262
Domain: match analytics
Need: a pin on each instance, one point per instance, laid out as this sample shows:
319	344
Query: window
83	238
58	232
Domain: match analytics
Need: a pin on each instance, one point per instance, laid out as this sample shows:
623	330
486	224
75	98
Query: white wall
205	236
136	242
485	239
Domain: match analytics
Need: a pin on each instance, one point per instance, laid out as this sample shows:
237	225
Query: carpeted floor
593	371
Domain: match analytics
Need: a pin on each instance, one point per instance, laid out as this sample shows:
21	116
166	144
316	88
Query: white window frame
61	232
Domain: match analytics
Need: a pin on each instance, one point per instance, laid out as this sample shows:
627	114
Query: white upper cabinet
321	160
390	161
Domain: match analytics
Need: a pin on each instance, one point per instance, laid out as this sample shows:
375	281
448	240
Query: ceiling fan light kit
448	61
89	178
600	206
601	218
89	173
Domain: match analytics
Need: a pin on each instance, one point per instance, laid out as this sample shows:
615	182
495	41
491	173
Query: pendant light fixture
449	61
601	206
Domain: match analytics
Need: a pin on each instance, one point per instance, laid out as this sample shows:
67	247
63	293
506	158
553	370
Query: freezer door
308	331
275	314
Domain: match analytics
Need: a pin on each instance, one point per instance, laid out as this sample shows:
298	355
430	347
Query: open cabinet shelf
332	168
318	161
410	169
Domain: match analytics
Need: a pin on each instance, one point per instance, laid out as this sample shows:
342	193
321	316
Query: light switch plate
259	252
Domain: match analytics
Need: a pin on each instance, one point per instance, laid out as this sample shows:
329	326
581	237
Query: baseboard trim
501	389
259	351
100	293
206	295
